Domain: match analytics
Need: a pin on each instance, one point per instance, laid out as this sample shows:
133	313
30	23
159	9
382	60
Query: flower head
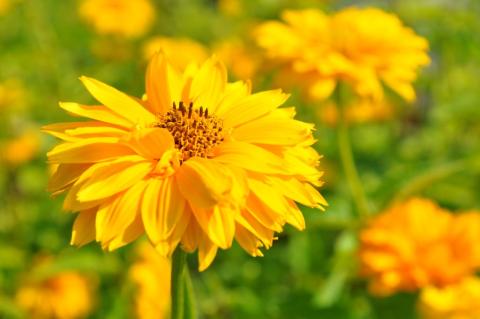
458	301
364	47
65	295
402	248
199	162
151	275
127	18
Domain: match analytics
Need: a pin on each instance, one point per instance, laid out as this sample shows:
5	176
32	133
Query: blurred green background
429	148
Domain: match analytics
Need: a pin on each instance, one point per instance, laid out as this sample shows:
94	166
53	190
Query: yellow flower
459	301
4	6
127	18
199	162
362	111
364	47
402	248
12	95
180	51
230	7
65	295
20	149
241	60
151	275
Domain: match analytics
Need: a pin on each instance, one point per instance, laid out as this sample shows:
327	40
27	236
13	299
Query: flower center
194	131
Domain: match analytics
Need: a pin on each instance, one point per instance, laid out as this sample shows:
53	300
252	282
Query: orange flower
64	295
21	149
363	47
402	248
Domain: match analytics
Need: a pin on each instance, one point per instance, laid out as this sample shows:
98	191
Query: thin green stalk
190	307
177	289
433	175
348	161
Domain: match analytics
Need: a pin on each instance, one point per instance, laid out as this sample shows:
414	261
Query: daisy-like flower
363	47
458	301
402	248
151	275
199	162
127	18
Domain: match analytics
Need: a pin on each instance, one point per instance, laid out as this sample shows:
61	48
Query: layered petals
196	164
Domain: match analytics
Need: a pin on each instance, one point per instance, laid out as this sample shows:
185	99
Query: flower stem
348	161
177	288
190	307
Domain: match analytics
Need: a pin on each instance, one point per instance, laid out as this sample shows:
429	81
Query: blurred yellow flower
459	301
21	149
364	47
402	248
65	295
199	162
127	18
180	51
230	7
4	6
151	275
362	111
12	94
240	60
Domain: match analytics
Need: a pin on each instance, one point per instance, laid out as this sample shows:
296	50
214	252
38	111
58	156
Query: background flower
402	247
458	301
151	275
346	46
127	18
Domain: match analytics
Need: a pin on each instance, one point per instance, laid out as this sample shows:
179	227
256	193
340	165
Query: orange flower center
194	131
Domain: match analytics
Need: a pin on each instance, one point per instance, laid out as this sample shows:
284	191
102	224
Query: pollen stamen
194	131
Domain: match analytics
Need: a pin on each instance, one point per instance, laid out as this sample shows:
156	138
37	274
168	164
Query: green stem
348	161
177	288
190	307
434	174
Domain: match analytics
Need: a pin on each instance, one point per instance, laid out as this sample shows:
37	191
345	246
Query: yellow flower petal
253	106
83	230
248	241
118	102
65	175
218	223
108	180
204	183
208	85
163	84
88	151
206	252
249	157
269	130
96	112
162	208
111	223
151	143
